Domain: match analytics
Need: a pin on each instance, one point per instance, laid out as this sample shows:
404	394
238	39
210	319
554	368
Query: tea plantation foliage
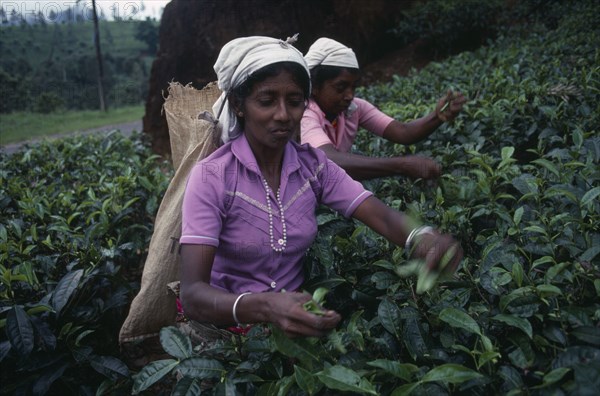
76	220
53	67
520	191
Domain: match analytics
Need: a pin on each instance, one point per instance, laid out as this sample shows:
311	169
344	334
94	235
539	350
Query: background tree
147	32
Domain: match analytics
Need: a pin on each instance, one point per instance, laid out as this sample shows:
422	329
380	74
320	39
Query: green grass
21	126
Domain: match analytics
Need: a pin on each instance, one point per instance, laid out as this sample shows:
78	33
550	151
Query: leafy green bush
48	102
520	190
76	219
446	24
450	26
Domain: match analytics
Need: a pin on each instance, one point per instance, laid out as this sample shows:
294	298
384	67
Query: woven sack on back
191	139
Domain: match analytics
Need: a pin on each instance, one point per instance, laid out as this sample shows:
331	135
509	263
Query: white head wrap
240	58
326	51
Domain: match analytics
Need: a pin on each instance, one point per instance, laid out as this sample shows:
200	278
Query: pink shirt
225	206
318	131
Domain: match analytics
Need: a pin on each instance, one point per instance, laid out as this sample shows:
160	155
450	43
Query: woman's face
335	95
273	110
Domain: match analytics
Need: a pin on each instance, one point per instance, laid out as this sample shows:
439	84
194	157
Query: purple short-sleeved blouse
225	206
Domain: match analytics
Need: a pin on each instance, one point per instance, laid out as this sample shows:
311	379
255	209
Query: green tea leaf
451	373
548	290
542	260
590	254
517	274
405	389
299	348
552	377
306	380
413	337
389	315
507	152
319	295
335	339
65	289
537	229
109	366
404	371
201	368
152	373
187	386
459	319
175	343
284	385
486	357
346	380
548	165
518	215
19	330
487	343
515	321
589	196
383	264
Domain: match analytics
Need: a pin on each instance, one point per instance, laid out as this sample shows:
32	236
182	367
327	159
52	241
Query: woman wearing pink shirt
334	115
249	208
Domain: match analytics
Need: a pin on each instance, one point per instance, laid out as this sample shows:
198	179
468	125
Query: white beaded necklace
283	240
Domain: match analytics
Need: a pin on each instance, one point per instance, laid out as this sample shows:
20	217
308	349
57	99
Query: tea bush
446	27
76	219
520	190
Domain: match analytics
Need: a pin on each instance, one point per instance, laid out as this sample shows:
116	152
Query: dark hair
321	73
299	76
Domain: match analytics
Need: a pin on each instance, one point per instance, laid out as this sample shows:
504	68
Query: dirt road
126	129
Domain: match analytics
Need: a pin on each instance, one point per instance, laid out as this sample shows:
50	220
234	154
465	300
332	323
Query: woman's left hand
448	107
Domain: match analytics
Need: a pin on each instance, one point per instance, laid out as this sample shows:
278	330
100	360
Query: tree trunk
103	104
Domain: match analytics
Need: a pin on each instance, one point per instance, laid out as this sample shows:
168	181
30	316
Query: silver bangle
415	233
237	300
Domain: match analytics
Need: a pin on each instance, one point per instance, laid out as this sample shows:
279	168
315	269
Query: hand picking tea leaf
318	299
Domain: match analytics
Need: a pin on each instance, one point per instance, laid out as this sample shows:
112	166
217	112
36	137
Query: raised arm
360	167
394	225
447	109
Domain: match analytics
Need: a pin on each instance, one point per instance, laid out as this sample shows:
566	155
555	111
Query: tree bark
101	96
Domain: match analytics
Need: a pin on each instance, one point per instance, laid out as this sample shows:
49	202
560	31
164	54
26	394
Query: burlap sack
191	140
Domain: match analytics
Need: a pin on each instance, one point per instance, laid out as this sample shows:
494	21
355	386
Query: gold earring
240	114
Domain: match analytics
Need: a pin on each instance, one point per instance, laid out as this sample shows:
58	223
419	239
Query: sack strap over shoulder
228	201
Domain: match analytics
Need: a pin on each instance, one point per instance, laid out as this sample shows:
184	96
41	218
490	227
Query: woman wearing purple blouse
249	208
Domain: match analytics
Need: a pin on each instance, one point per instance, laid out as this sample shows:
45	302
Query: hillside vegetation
48	67
520	191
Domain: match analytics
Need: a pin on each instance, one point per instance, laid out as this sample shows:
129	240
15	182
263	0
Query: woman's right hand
433	246
287	312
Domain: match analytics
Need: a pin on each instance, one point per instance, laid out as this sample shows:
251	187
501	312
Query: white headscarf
326	51
240	58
